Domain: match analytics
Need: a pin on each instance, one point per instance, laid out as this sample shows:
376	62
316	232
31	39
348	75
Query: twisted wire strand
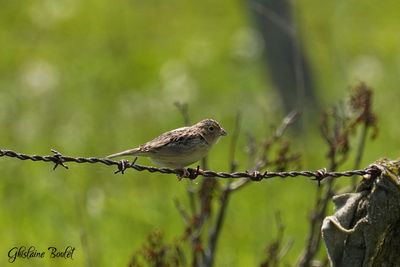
122	165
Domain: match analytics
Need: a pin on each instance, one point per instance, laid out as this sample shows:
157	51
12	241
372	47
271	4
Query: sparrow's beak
223	132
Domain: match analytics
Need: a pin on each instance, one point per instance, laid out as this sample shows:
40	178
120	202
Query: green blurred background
90	78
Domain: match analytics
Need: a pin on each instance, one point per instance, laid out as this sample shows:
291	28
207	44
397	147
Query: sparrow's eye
211	129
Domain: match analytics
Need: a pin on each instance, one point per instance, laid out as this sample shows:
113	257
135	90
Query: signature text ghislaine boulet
24	252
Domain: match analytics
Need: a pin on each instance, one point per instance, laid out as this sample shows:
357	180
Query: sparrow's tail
129	152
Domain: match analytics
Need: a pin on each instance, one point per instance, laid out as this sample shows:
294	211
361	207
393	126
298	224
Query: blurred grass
91	78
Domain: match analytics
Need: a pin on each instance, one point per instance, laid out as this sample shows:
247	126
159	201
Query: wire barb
58	159
319	175
122	166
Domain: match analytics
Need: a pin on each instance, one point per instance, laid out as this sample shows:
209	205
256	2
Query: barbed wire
59	160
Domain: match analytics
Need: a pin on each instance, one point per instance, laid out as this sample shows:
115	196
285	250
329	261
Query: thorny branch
123	165
277	249
261	161
224	198
204	251
183	109
335	133
337	127
361	103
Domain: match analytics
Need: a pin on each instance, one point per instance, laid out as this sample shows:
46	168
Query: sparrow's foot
182	173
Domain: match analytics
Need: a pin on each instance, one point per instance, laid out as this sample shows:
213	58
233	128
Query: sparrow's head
210	130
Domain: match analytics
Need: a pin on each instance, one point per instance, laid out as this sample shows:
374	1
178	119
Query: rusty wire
122	165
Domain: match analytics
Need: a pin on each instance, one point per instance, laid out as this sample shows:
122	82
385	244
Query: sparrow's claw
182	173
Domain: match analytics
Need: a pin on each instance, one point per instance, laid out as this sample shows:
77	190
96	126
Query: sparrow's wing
155	145
171	142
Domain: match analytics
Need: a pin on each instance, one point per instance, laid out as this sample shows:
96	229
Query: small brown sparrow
180	147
